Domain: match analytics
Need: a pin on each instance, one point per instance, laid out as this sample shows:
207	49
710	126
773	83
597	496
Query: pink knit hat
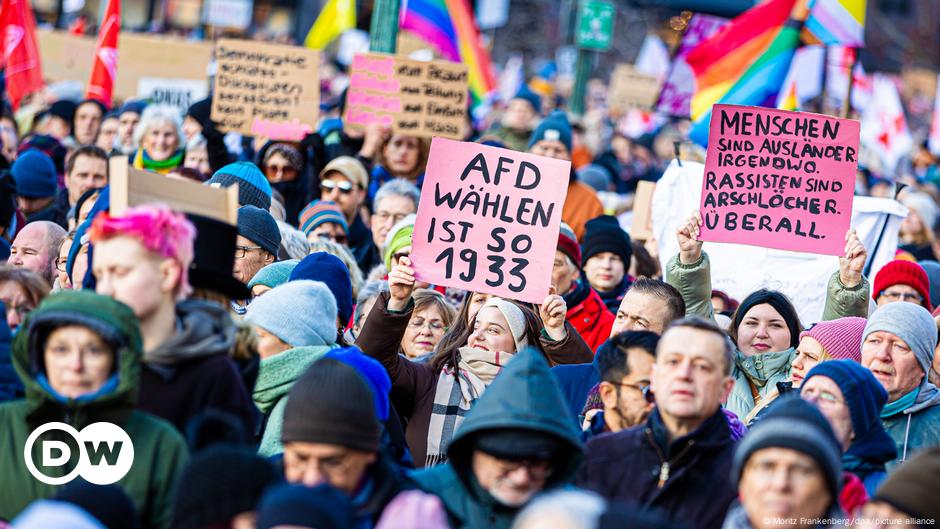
841	338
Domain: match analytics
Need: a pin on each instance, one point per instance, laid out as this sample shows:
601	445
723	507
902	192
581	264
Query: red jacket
592	320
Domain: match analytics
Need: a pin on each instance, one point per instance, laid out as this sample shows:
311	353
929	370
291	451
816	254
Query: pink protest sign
779	179
488	220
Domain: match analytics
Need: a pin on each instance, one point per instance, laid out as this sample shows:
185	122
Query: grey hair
569	509
158	114
345	255
294	243
368	292
397	187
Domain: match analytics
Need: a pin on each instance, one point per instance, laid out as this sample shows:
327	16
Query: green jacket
693	281
523	395
517	140
276	376
159	451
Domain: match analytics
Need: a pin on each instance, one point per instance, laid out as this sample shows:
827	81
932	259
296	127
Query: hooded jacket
917	427
192	372
159	451
297	192
507	403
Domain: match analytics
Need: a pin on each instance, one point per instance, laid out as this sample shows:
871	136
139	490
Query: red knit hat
568	243
903	273
841	338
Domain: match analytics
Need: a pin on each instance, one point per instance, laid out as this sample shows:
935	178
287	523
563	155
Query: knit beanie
332	272
253	187
553	128
200	110
132	106
349	167
35	175
320	212
840	338
900	272
49	145
219	483
274	274
108	504
604	234
925	207
779	302
259	227
911	323
568	243
514	317
398	237
289	152
372	371
298	312
932	269
797	425
529	97
331	403
320	507
912	487
64	109
596	176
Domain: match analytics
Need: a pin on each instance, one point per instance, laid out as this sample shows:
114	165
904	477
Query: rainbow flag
836	22
746	62
449	26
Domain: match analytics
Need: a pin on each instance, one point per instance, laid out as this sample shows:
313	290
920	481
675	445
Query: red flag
23	70
78	26
101	85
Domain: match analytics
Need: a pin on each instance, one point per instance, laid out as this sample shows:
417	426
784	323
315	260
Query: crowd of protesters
291	371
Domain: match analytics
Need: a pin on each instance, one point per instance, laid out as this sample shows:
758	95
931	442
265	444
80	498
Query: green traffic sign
595	25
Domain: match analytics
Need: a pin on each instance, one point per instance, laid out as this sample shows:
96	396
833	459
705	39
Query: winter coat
691	479
275	379
507	403
581	205
192	372
763	371
159	450
10	385
917	427
517	140
414	384
588	314
362	246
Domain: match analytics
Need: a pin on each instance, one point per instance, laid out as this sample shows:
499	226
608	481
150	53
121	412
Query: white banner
179	93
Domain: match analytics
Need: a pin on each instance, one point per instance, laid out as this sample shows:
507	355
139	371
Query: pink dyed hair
159	229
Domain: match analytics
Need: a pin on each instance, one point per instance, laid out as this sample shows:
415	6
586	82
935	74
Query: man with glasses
624	362
898	348
344	181
395	200
257	243
902	281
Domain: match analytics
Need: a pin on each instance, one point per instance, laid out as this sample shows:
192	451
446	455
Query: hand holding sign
852	264
401	283
690	247
553	311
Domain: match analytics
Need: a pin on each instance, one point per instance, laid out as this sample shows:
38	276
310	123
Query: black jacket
689	478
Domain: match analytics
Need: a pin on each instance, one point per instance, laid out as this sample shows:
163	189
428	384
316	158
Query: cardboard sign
132	187
642	228
779	179
418	98
266	90
632	89
488	220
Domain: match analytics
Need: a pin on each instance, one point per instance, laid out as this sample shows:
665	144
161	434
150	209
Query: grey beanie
259	227
280	309
909	322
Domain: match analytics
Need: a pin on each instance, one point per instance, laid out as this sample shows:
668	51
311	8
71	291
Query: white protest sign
178	93
739	270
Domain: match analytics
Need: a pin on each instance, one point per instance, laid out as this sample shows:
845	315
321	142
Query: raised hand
690	248
553	311
852	263
401	283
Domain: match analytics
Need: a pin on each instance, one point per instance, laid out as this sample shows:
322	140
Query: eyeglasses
60	263
902	296
383	216
343	186
823	398
644	389
326	236
434	325
284	171
241	251
538	469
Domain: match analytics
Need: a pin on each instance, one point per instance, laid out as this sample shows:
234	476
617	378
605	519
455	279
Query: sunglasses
344	187
274	170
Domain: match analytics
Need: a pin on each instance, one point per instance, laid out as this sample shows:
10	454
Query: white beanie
514	317
300	312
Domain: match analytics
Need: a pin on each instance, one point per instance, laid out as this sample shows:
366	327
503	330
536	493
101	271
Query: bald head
36	247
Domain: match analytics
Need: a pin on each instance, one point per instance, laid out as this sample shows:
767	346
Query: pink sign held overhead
488	220
779	179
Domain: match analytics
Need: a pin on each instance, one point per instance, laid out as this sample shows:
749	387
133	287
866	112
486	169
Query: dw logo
105	452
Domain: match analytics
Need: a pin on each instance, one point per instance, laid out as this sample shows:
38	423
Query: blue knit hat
320	212
259	227
372	371
322	507
35	175
279	312
527	95
553	128
865	397
253	187
274	274
331	271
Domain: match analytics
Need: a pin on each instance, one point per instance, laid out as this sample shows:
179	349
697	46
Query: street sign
595	25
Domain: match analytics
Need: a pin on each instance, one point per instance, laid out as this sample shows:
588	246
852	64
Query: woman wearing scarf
432	397
159	140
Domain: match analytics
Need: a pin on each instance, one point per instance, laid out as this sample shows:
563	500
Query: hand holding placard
401	284
553	312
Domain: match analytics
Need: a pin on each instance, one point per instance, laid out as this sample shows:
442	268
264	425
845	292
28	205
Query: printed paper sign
179	93
779	179
266	90
488	220
418	98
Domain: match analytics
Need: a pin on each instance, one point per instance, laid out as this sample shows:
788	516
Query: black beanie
780	303
604	234
322	507
218	484
332	404
200	110
519	443
108	504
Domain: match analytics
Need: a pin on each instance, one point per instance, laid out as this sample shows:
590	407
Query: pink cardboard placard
488	220
779	179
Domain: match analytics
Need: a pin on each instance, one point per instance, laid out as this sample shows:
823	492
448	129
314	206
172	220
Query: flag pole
383	31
